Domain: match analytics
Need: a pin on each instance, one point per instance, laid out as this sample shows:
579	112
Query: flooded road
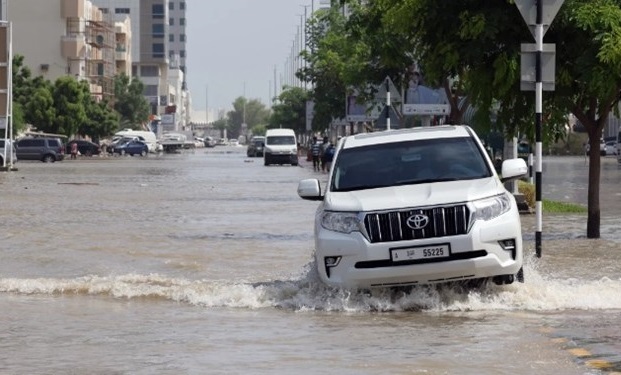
201	263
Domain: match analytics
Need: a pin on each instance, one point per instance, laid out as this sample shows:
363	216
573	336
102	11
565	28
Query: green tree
252	112
40	110
290	111
69	104
130	102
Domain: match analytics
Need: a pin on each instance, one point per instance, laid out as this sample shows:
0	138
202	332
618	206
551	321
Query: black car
255	147
45	149
84	147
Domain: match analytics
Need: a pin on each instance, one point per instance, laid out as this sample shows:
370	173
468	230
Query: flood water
201	263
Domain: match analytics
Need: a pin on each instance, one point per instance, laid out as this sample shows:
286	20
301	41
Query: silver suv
45	149
416	206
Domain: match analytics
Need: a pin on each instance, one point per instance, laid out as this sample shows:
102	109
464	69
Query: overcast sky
234	44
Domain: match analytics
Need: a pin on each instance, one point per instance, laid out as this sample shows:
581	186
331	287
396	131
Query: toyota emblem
418	221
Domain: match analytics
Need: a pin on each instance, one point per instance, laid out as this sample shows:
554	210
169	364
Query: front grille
392	226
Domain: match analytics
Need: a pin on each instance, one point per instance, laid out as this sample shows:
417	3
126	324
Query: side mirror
310	189
512	169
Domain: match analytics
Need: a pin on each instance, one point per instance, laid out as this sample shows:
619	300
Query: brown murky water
200	263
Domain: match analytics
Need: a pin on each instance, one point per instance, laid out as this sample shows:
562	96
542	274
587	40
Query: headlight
294	150
489	208
344	222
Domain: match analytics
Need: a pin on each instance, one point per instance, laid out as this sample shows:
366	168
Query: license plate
423	252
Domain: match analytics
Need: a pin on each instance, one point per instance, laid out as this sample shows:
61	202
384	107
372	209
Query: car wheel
265	162
49	159
89	153
520	275
143	153
122	153
294	164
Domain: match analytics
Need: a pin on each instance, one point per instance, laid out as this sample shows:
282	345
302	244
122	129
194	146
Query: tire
520	275
48	159
122	153
294	164
89	153
143	153
265	162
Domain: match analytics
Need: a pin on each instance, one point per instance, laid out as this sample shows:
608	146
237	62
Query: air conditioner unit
45	67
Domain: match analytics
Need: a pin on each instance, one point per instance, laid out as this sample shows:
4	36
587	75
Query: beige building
70	37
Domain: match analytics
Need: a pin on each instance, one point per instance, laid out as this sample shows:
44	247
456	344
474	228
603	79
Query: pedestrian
74	150
324	147
328	156
316	152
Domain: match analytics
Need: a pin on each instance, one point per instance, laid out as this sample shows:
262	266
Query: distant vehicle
602	147
222	142
145	136
45	149
233	142
255	147
210	141
131	147
5	152
611	148
85	147
281	147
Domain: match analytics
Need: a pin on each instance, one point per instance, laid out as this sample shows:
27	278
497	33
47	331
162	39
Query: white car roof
391	136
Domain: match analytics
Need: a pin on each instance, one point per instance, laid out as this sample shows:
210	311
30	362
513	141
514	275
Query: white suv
416	206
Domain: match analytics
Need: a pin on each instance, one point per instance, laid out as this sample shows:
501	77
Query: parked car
602	147
85	147
5	152
611	148
210	141
45	149
416	206
131	147
255	147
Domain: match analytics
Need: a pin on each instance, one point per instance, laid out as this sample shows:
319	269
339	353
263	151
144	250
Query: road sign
528	61
382	91
382	123
528	9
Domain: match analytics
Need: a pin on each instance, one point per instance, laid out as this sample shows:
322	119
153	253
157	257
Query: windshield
410	162
281	140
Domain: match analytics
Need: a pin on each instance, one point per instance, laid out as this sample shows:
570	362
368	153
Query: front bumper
477	254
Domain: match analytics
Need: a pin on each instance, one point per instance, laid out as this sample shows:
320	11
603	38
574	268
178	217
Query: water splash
305	292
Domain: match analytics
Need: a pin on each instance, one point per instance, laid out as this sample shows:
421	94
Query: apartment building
158	51
176	34
65	37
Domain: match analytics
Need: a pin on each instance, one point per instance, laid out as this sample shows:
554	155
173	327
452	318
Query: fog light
332	261
507	244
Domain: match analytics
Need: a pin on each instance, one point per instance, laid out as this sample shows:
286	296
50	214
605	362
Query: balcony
72	8
73	47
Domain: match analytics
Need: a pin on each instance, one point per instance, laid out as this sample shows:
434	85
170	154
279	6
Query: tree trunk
593	218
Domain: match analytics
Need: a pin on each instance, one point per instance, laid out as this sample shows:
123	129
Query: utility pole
206	104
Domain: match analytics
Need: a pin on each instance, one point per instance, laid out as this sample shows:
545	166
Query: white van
281	147
147	137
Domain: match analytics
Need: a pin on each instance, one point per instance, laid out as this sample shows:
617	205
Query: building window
150	90
158	30
182	67
171	37
149	71
182	53
121	10
134	70
182	21
171	53
158	11
182	37
171	5
182	5
171	21
158	50
104	10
